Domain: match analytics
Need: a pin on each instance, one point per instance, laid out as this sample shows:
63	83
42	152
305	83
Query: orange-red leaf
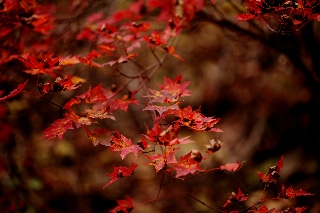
186	165
124	145
120	172
124	206
232	166
15	91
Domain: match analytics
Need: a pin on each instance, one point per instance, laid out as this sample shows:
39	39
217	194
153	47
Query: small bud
197	155
214	146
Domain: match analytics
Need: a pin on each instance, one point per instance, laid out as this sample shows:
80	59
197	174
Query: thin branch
45	98
161	182
245	210
203	203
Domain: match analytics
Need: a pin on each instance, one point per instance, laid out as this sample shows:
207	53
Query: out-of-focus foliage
263	85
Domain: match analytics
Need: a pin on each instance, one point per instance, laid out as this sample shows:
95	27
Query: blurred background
263	85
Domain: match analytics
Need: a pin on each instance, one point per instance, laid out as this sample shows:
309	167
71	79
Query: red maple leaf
170	92
162	109
58	86
184	140
262	209
124	145
28	5
69	60
121	59
239	197
280	164
273	173
300	209
120	172
186	165
100	110
171	51
124	206
124	102
165	136
160	160
154	39
15	91
231	166
245	17
176	87
99	136
87	34
89	62
58	128
195	120
64	84
93	95
290	193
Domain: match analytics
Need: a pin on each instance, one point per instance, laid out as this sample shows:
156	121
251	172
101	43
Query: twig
203	203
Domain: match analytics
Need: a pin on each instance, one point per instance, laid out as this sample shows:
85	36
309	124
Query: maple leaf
93	54
161	109
232	166
195	120
42	65
15	91
176	87
64	84
87	34
69	60
239	197
99	111
160	160
124	206
184	140
121	59
154	39
245	17
58	86
31	63
186	165
290	193
138	27
124	102
262	209
107	48
99	136
124	145
42	23
167	136
28	5
162	97
166	8
171	51
273	173
94	95
300	209
89	62
120	172
70	103
58	128
280	164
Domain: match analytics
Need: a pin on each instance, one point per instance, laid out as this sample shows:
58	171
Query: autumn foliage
117	42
